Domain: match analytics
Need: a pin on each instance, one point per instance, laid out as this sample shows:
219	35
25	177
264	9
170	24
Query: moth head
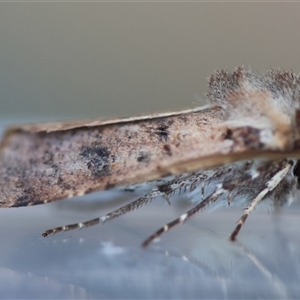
269	102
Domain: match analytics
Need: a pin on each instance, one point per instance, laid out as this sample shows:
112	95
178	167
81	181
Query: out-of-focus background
64	60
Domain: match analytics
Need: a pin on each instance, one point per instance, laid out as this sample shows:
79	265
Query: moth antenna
269	186
211	198
114	214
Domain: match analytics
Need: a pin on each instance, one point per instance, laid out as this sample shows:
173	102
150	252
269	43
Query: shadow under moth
241	148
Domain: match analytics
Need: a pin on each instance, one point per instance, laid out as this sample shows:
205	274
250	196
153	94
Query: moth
241	148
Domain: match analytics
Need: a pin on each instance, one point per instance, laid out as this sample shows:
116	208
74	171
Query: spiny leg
269	186
114	214
211	198
162	190
228	185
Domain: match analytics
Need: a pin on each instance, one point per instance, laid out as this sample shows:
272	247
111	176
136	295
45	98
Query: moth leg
269	186
167	198
114	214
165	190
229	198
202	191
211	198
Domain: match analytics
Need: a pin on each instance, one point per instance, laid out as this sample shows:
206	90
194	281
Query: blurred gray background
64	60
79	60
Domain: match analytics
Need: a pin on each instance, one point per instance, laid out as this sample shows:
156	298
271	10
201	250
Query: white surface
191	261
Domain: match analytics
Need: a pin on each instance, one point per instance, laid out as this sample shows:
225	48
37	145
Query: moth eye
297	173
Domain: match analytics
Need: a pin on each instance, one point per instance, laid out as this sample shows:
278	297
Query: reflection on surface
192	261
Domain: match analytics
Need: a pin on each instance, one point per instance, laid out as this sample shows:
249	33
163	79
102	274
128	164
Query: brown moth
241	148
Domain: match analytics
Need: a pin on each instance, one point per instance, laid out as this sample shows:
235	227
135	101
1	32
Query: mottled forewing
39	165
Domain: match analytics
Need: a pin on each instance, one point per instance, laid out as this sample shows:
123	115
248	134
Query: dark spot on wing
48	158
130	135
63	184
167	149
162	132
143	156
23	201
109	186
228	135
246	136
26	200
97	160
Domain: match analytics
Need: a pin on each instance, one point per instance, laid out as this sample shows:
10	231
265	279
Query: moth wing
42	164
88	123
